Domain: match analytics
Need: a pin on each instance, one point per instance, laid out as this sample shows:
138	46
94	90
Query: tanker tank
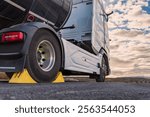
52	12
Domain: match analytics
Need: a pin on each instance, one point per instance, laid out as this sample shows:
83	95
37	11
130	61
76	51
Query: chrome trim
11	68
5	54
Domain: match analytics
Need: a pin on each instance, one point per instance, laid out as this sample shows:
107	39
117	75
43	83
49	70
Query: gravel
76	90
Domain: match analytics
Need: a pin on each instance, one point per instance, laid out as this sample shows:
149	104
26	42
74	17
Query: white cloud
130	35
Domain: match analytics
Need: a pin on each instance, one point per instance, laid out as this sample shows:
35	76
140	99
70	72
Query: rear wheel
44	57
103	71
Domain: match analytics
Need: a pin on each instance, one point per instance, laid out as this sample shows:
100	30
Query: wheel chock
59	78
22	77
25	78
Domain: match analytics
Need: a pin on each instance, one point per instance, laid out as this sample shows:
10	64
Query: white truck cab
89	46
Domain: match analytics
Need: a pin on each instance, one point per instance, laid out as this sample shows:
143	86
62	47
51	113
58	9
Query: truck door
98	26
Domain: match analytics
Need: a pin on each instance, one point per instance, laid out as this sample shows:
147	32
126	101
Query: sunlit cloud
130	35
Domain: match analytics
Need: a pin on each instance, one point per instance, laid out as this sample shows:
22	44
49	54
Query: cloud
130	35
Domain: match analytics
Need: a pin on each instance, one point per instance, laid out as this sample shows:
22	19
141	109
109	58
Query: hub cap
45	55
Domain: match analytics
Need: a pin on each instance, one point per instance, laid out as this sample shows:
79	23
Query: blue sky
130	15
147	8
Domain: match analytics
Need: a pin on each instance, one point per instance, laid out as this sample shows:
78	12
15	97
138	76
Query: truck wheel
44	57
103	70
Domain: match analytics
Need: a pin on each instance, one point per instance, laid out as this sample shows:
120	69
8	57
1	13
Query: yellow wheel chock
25	78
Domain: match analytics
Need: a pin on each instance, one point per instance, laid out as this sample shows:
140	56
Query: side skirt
80	60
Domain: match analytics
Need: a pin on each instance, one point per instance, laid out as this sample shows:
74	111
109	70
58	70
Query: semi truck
48	36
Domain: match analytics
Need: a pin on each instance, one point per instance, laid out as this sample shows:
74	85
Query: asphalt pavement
77	90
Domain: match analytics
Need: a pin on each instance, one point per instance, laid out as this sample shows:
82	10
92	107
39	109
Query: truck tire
103	70
44	57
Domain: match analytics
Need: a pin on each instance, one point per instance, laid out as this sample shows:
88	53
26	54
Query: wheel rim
45	55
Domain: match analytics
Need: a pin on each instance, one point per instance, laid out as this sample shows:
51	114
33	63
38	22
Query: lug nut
43	52
43	59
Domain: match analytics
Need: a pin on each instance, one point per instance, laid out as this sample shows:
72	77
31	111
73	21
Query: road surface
78	90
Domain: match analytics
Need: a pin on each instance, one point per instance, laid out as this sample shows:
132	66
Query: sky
129	31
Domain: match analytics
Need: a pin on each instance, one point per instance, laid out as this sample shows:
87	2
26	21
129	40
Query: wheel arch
41	26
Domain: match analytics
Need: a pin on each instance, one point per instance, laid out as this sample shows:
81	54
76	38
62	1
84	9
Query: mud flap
25	78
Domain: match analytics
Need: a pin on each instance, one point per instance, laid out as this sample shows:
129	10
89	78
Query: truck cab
90	21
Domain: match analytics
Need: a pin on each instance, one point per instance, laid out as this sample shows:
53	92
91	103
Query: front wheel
44	57
103	69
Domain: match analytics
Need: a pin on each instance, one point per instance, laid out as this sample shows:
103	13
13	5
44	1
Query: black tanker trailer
53	12
31	38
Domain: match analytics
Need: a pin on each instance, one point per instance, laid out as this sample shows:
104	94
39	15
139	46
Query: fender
30	29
